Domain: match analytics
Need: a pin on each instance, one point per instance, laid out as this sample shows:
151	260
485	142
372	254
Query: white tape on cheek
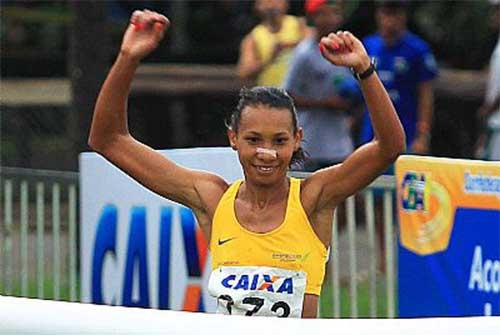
267	151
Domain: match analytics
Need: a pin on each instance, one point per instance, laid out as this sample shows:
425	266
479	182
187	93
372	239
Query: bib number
258	303
262	291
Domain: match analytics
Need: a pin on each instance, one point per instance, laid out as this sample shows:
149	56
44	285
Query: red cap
312	6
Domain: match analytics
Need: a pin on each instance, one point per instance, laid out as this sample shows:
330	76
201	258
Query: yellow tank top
290	32
292	246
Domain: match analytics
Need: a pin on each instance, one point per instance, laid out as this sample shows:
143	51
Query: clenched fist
144	33
344	49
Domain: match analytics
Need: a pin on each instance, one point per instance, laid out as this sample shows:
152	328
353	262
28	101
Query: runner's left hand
344	49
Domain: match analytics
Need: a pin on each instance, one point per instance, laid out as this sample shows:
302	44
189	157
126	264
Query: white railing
27	195
386	184
36	201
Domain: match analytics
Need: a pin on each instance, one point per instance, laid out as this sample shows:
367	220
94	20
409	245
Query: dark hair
393	4
271	97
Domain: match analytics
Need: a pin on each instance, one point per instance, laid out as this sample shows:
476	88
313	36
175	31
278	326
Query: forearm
110	113
425	109
249	65
388	130
249	70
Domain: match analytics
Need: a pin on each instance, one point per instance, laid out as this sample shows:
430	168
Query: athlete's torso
274	265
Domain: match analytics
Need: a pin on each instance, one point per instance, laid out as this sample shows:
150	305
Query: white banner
45	317
139	249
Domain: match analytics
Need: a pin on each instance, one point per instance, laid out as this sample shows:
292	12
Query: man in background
266	51
319	91
407	67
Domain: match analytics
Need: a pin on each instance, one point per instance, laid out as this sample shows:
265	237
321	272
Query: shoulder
373	44
212	180
416	43
313	186
372	40
248	41
259	31
291	19
304	47
210	188
302	53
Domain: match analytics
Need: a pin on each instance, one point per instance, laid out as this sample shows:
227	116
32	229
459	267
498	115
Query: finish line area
34	316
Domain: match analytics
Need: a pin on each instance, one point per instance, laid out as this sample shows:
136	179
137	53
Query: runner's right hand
144	33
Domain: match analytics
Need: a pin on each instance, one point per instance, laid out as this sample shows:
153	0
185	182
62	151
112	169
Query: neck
274	25
260	196
392	40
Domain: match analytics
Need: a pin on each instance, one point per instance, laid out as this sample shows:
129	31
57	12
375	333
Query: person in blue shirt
406	66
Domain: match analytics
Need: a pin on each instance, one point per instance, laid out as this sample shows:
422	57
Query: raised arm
249	63
367	162
109	134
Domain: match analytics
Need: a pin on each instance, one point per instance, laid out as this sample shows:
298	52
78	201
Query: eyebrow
283	133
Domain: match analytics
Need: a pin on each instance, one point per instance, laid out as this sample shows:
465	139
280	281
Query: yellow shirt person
266	51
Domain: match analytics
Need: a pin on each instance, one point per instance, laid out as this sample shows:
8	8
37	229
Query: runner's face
268	128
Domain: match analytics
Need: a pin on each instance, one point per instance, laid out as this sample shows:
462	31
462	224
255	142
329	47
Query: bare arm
425	111
249	63
336	183
109	133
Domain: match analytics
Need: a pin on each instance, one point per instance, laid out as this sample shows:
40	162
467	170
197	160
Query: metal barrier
385	184
26	189
25	201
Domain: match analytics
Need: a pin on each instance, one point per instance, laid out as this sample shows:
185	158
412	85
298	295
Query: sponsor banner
139	249
449	247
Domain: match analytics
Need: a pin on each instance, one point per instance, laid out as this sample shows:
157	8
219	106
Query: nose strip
270	152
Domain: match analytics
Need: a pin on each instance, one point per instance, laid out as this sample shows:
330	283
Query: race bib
258	290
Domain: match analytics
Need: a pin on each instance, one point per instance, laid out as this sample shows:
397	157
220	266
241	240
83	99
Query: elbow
400	145
246	72
243	74
397	148
391	151
96	142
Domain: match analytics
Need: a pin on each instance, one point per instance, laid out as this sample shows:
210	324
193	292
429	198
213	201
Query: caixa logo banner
136	270
139	249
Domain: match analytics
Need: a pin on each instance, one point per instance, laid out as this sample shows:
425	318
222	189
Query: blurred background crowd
55	55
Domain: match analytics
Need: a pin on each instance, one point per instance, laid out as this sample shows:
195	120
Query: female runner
269	234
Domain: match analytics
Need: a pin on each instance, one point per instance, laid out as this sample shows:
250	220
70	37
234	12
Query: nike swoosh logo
221	242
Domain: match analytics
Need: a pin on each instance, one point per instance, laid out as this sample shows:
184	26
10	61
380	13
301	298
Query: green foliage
48	289
460	31
363	302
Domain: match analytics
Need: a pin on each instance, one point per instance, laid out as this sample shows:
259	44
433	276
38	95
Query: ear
299	134
231	135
